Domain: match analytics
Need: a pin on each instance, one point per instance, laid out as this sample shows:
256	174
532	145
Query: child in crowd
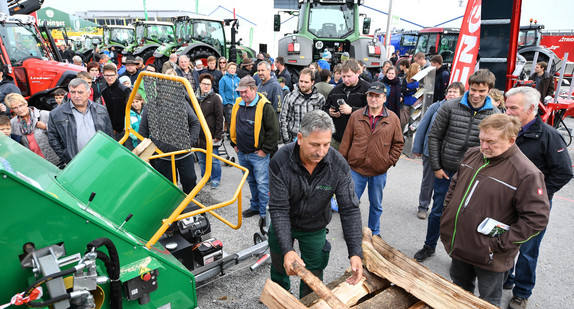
126	81
6	128
59	95
135	116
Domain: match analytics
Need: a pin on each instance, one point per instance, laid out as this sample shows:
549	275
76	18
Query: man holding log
303	176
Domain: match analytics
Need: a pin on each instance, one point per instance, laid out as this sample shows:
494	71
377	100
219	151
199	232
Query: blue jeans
215	166
427	184
376	186
525	277
184	168
258	179
433	228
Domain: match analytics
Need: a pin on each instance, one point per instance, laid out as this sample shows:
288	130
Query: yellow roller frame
177	215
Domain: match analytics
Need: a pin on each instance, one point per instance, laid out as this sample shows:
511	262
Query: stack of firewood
391	280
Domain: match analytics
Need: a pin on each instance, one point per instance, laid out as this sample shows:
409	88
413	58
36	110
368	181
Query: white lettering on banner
467	45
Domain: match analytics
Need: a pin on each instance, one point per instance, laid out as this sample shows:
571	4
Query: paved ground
241	288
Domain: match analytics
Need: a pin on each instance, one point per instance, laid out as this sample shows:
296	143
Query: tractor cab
438	41
530	35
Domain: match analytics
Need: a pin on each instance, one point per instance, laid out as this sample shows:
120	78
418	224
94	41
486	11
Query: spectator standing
221	65
170	64
421	149
304	176
394	98
346	98
420	59
227	86
269	86
543	80
453	132
337	80
284	87
214	72
7	86
544	146
6	128
409	87
386	65
498	99
298	103
323	86
365	75
494	182
246	68
98	81
72	124
283	72
442	78
184	163
254	130
404	68
324	62
115	96
135	116
212	109
372	143
77	60
184	70
31	124
132	70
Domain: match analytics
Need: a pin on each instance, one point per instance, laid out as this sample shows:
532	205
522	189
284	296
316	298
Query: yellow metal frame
177	215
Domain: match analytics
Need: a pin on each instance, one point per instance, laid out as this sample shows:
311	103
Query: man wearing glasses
115	96
72	124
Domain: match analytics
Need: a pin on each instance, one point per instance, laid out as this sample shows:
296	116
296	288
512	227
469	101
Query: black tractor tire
158	63
147	55
200	53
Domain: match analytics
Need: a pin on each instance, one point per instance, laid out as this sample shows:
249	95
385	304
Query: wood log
317	285
394	298
312	298
145	149
276	297
416	279
351	294
420	305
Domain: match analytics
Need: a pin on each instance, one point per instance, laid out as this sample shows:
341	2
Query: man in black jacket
346	98
543	80
115	97
442	78
303	176
544	146
453	132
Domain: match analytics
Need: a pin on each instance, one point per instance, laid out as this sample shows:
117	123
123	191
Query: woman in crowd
222	64
98	82
409	87
498	99
212	108
227	85
31	124
393	86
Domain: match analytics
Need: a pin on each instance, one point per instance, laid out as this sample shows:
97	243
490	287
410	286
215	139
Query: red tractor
29	61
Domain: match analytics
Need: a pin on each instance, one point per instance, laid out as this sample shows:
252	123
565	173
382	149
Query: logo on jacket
540	191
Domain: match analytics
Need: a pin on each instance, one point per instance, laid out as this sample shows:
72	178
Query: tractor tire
158	63
148	56
529	56
200	53
295	70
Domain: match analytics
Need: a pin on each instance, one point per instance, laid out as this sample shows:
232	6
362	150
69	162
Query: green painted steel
114	173
40	209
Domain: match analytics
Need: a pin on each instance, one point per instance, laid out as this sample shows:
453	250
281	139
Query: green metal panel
37	209
118	177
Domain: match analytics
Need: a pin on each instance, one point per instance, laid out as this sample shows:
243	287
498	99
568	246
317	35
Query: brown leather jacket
372	153
507	188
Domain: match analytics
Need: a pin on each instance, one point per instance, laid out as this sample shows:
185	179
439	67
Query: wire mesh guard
166	104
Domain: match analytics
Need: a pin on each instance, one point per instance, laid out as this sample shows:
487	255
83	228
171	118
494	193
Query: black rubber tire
148	54
158	63
258	238
200	53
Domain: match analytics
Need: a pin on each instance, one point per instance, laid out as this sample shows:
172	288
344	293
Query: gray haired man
72	124
303	176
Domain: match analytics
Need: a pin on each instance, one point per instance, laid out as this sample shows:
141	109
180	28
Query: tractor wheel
294	70
158	63
200	53
148	56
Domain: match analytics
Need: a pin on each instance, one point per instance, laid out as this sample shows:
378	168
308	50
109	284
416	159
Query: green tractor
201	38
149	36
333	25
122	38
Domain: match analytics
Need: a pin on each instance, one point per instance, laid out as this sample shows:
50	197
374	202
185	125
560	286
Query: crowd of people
335	130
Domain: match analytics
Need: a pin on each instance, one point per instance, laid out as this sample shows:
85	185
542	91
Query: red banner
468	43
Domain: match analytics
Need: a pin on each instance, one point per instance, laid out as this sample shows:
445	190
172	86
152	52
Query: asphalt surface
239	287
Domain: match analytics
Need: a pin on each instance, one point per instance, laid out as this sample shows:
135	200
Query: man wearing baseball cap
372	143
254	129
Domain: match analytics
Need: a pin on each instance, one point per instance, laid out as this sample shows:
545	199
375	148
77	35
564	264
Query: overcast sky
552	13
